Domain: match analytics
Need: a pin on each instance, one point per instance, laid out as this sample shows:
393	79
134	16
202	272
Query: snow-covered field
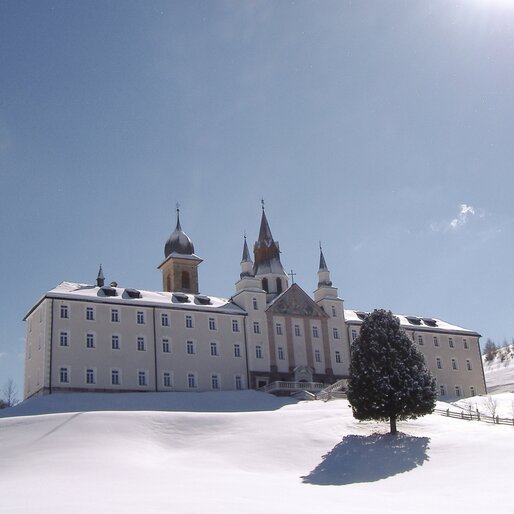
499	373
244	452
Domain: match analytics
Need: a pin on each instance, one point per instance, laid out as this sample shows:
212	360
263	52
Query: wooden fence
474	415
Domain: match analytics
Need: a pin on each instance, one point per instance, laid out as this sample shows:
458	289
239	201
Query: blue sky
383	129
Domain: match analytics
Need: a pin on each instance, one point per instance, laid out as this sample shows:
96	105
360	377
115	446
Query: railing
335	390
469	416
292	386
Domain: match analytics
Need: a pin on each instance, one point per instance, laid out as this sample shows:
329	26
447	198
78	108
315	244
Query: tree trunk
392	423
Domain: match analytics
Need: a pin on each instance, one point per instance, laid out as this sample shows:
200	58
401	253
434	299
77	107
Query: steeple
100	279
267	265
179	242
180	265
246	261
323	272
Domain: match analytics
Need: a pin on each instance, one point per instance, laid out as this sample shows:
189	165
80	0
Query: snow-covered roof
128	296
421	323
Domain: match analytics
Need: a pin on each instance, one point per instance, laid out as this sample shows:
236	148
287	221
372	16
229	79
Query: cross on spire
262	202
292	274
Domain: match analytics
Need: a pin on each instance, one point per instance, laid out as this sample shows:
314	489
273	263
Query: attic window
362	315
181	298
430	322
108	291
133	293
413	320
203	300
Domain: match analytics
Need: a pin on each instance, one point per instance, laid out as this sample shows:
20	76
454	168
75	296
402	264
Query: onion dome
179	242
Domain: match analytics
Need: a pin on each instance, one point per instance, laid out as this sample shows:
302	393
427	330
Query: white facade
83	337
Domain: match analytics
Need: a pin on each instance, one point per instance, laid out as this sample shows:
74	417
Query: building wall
462	380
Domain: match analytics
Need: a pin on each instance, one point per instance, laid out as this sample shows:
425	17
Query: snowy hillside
247	453
499	373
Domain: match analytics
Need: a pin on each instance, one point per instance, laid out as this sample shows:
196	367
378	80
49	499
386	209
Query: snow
78	291
444	326
499	374
245	452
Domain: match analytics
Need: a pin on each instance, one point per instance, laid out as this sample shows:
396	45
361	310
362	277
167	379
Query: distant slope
293	457
499	373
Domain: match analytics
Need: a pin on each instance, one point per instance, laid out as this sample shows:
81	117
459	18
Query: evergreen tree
490	349
388	376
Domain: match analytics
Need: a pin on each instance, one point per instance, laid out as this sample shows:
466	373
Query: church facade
106	338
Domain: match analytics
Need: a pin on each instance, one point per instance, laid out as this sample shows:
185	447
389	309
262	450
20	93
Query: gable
297	302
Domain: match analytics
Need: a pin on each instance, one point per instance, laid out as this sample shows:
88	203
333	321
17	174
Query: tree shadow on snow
370	458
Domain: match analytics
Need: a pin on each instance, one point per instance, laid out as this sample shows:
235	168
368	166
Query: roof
417	323
129	296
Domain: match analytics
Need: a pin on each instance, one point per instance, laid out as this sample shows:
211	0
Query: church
269	335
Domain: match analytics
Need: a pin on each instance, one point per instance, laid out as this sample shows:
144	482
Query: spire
322	263
100	279
246	253
179	242
323	272
264	231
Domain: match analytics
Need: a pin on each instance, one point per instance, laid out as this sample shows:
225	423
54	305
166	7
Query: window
90	314
439	363
442	390
64	377
280	352
90	376
140	318
336	333
90	340
472	390
454	364
214	349
297	332
165	320
354	335
255	306
315	331
465	344
235	325
450	342
317	355
338	357
64	311
258	352
256	327
191	380
215	381
333	311
115	377
237	350
468	365
141	344
420	340
115	342
141	378
190	348
457	391
265	285
436	341
186	282
278	329
115	316
238	381
63	338
212	324
166	379
189	321
166	346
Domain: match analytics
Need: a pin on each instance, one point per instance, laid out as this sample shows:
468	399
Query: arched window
279	285
168	283
185	280
265	285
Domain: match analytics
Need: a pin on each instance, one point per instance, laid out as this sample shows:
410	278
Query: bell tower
180	265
